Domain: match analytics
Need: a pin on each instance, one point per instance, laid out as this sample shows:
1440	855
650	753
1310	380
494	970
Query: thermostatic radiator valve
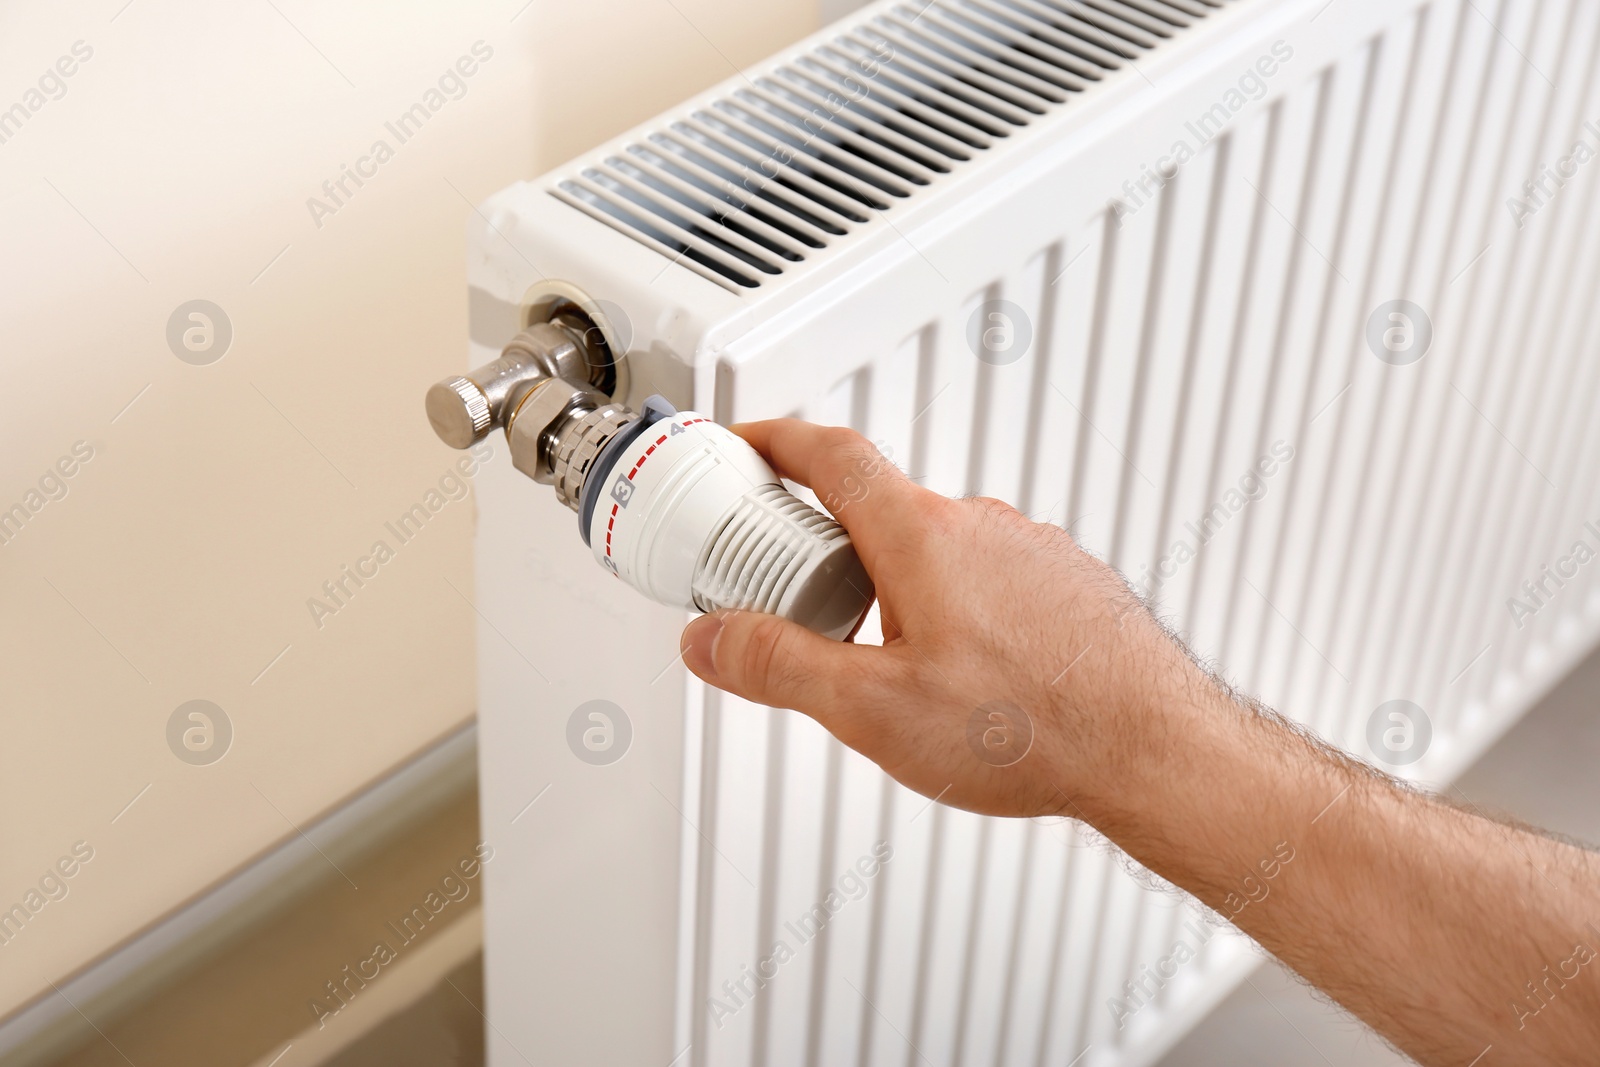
675	505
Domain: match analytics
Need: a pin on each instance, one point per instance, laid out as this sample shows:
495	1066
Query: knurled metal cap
575	452
459	412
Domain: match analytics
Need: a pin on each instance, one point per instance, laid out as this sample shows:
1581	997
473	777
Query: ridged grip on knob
778	555
459	412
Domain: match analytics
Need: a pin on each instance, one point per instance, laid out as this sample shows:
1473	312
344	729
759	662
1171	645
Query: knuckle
841	450
993	506
842	439
940	512
932	511
924	529
768	658
996	516
848	463
852	449
760	648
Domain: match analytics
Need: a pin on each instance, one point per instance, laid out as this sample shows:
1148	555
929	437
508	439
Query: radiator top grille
806	152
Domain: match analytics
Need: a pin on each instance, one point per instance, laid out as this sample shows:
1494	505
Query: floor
247	998
443	1029
1542	772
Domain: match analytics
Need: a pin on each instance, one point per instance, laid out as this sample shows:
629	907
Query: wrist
1200	787
1153	744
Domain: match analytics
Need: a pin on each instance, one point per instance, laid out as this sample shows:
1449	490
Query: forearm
1446	932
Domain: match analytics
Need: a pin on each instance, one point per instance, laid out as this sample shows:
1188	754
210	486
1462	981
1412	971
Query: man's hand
1020	676
1012	663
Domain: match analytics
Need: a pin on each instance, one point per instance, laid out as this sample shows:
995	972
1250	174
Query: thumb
770	660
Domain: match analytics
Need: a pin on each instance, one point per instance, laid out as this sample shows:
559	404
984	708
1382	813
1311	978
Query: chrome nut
544	407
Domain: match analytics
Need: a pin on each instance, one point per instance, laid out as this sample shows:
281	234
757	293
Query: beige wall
175	163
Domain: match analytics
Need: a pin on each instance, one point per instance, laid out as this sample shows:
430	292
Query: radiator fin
751	184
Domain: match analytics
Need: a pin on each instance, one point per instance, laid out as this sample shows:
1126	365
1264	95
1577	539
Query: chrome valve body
550	391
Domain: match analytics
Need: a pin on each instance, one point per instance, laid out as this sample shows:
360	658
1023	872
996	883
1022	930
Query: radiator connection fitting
670	502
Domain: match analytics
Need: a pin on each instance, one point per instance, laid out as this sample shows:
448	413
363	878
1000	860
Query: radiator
1283	308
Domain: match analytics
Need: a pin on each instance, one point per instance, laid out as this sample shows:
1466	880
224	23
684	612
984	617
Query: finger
770	660
869	495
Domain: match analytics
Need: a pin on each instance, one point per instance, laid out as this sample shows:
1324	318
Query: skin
1460	939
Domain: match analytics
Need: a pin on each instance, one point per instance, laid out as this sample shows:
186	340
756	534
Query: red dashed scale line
612	522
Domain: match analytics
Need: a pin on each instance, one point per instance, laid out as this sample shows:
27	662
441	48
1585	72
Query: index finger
867	493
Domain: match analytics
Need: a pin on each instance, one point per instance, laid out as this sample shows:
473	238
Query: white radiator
1193	220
